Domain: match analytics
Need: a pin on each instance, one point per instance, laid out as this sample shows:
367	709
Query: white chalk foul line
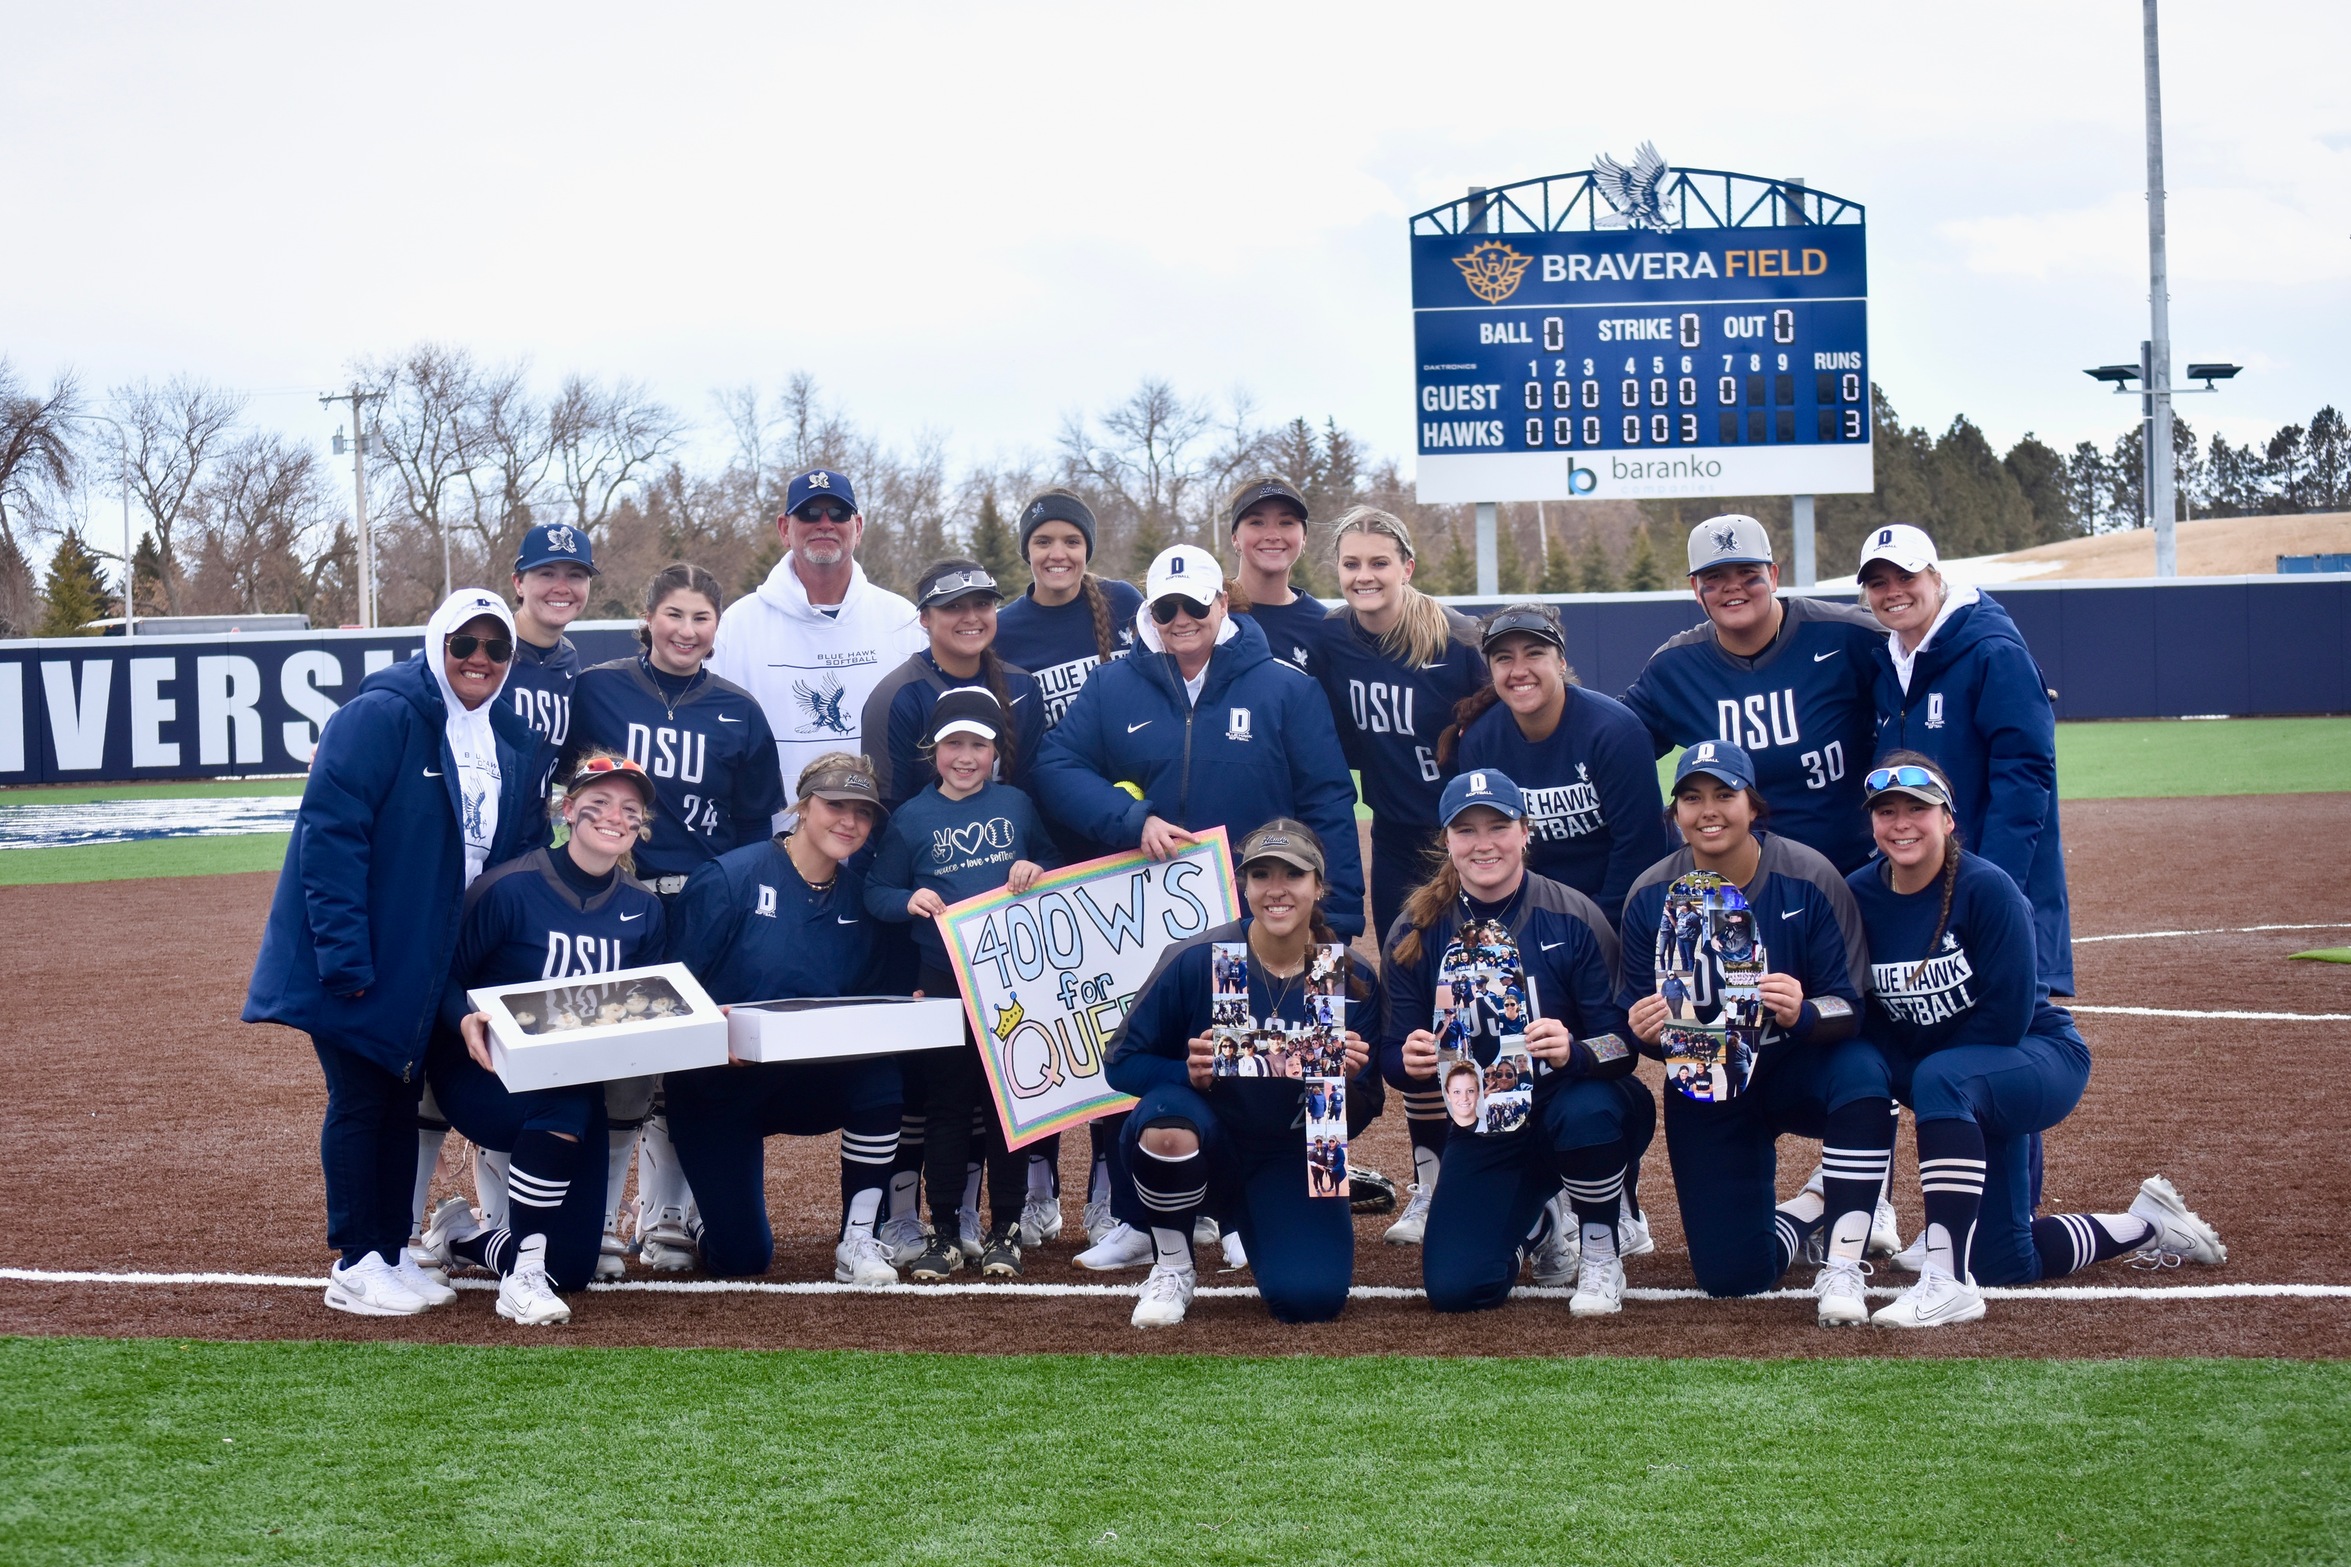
2059	1292
2229	930
2239	1017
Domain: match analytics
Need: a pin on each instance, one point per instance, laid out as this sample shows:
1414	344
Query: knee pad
628	1100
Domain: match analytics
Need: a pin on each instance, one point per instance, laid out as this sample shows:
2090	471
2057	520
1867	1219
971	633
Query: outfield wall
95	710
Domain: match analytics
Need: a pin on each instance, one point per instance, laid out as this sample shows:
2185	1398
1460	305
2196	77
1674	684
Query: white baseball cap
1907	547
1187	569
1733	539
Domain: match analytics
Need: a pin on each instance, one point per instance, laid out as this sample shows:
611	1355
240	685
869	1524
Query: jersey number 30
1823	766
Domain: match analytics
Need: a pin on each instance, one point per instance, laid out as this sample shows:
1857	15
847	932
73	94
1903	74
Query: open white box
595	1029
835	1028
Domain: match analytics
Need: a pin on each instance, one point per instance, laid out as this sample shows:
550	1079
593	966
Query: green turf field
153	857
157	1450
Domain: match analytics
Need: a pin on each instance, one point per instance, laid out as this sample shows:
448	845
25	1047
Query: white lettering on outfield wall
298	683
228	697
78	729
151	710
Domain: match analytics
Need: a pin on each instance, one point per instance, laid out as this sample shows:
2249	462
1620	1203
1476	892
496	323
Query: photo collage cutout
1484	1003
1710	967
1313	1051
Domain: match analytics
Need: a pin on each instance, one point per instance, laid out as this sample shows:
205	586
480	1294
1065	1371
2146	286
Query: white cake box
594	1029
834	1028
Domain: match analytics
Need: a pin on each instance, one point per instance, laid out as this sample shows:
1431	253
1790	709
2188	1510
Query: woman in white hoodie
818	636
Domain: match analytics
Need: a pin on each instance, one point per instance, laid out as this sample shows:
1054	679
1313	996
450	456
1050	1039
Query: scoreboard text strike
1722	361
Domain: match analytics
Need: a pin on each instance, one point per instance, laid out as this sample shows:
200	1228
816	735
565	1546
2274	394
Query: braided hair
1950	871
1105	632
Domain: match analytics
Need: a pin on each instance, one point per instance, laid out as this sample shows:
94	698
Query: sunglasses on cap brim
1906	780
464	644
1164	610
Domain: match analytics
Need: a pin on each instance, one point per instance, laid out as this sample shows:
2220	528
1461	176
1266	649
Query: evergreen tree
1510	568
1643	574
2040	473
1457	569
75	592
1596	573
1559	572
993	546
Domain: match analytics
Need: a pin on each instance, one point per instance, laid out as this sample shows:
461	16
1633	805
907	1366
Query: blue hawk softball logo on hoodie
821	702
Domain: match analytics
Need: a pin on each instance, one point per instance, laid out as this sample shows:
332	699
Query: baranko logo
1493	270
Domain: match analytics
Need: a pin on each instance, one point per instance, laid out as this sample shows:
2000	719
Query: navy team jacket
1259	744
1977	704
751	929
365	918
524	921
712	760
1805	708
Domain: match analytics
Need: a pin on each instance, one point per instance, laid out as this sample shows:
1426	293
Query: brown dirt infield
149	1130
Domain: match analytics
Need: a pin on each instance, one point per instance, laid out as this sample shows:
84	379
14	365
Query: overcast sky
972	219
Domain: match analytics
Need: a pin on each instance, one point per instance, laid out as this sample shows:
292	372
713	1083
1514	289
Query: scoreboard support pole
1806	562
1489	560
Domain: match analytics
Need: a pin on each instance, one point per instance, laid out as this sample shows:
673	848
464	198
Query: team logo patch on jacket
1237	724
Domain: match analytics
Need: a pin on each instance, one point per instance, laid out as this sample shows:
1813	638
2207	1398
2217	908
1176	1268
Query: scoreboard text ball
1719	361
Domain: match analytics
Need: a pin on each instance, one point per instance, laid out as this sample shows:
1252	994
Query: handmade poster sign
1048	976
1710	966
1483	1007
628	1023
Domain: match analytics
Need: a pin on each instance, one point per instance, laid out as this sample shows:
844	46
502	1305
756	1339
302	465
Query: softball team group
781	794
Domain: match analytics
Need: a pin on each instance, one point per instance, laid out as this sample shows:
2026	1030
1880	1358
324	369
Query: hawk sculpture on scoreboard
1635	192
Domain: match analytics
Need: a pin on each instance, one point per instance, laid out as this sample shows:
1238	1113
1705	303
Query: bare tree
607	439
38	458
264	525
511	442
165	436
423	445
1143	464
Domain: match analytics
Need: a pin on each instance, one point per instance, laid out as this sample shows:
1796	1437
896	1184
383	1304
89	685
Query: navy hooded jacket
1977	704
1259	744
365	919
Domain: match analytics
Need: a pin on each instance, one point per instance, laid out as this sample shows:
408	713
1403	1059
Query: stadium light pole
2162	505
359	399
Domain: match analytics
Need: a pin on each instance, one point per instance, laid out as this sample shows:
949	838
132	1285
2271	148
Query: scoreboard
1633	362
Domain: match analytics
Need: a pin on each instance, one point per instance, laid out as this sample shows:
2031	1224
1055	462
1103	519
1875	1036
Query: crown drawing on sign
1492	270
1008	1019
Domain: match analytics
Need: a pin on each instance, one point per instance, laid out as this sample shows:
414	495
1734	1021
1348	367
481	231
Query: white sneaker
452	1220
862	1260
1165	1297
1885	1231
1099	1221
1121	1246
612	1258
1205	1231
1040	1219
1236	1256
1937	1300
666	1245
970	1234
1556	1255
425	1256
2179	1231
1413	1222
371	1288
1599	1287
526	1296
429	1287
1839	1288
1913	1257
1632	1235
904	1237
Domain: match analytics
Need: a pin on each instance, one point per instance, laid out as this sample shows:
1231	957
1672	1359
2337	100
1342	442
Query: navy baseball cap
1716	759
1258	491
1482	786
552	542
819	484
1534	620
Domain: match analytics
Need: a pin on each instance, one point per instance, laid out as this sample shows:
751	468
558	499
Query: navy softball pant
1367	1096
1725	1156
721	1117
1495	1185
2012	1094
367	1151
484	1109
1301	1248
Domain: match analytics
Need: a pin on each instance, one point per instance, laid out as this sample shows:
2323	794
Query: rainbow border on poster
1109	1102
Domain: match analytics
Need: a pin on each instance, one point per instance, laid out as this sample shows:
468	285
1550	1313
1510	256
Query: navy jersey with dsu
538	687
527	919
1976	985
709	753
1805	709
750	928
1389	714
1055	643
1595	820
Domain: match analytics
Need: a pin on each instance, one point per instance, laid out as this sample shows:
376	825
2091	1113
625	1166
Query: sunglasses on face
1885	778
831	512
465	644
1165	610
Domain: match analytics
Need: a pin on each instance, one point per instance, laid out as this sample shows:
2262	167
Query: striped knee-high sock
2068	1242
1172	1190
868	1154
1951	1180
1597	1200
1853	1160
